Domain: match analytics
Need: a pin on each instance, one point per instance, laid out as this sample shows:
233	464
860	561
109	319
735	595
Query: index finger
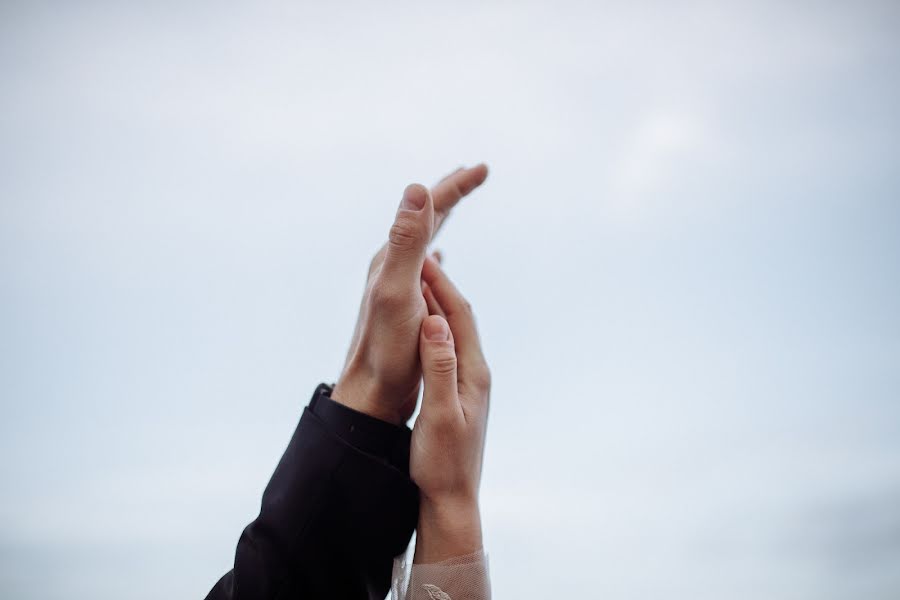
453	188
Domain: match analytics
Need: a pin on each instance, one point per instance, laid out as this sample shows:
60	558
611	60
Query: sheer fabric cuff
458	578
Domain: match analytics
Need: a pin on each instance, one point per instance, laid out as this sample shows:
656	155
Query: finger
408	239
434	307
451	174
438	256
453	188
436	351
472	366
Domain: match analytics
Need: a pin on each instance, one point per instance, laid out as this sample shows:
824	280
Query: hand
448	438
382	374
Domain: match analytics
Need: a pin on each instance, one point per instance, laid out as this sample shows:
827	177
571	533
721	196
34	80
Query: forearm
449	559
447	529
332	519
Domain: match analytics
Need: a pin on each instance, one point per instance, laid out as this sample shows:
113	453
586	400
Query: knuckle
455	191
405	235
464	308
481	378
443	363
385	296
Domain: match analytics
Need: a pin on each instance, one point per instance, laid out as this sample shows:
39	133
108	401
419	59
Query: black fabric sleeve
370	435
334	514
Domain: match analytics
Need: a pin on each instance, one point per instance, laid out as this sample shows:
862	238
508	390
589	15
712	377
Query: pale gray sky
685	267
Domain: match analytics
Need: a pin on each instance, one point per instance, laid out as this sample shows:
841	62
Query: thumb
438	355
409	237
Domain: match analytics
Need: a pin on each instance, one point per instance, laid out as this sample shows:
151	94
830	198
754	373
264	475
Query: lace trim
436	593
458	578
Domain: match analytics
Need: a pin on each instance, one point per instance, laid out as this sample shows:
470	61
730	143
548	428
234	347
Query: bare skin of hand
383	372
448	438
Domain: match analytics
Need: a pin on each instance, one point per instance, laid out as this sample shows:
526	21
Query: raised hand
382	374
448	438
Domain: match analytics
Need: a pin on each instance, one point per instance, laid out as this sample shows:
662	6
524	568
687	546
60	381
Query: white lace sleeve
458	578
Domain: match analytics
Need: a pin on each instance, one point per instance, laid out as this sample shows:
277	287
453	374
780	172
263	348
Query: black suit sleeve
339	507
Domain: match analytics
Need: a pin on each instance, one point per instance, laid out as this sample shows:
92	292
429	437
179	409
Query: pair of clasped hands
415	326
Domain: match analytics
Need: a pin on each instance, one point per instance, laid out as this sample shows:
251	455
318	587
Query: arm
447	451
337	511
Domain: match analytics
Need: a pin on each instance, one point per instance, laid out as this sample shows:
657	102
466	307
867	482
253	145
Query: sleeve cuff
459	578
385	441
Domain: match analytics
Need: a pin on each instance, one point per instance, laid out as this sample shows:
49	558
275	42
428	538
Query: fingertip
415	197
479	174
473	178
436	329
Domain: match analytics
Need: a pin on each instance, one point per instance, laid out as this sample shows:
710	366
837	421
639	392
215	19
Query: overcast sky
685	265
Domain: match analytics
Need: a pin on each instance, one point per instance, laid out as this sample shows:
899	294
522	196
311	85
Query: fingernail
436	330
413	198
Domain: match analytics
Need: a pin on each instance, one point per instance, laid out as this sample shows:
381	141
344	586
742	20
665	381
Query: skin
382	373
448	439
414	324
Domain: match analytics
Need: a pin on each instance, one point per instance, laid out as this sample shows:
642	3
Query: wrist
447	528
362	394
